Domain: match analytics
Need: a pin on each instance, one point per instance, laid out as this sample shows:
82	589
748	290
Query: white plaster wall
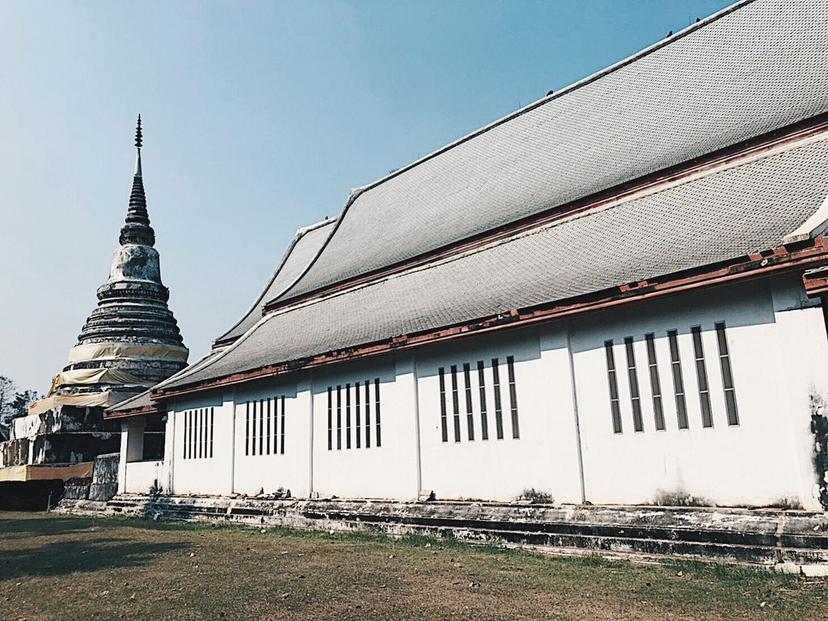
802	361
544	457
142	475
386	471
272	471
749	464
123	458
778	352
206	475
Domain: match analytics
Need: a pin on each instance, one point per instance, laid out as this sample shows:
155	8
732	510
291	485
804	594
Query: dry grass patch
59	567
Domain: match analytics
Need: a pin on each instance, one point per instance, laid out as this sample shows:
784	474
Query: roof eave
806	254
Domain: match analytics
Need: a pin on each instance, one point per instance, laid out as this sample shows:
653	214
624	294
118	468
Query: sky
259	117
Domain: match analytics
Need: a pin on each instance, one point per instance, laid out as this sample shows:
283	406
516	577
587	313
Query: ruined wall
104	477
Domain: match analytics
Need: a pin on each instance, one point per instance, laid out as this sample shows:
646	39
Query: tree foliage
13	404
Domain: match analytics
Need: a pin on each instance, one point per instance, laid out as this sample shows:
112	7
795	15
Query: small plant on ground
681	499
536	497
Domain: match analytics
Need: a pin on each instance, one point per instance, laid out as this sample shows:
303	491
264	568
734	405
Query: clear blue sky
259	117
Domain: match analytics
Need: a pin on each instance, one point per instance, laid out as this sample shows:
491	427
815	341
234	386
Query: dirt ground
59	567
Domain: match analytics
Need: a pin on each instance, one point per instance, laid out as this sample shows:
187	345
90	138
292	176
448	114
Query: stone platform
795	541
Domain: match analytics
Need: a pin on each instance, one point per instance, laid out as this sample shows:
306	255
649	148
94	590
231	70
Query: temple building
613	296
129	343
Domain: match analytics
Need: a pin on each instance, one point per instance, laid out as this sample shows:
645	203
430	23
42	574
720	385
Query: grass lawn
59	567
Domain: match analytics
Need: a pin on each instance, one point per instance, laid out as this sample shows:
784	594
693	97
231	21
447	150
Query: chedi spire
137	229
131	340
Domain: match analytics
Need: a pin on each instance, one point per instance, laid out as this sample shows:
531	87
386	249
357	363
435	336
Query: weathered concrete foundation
788	540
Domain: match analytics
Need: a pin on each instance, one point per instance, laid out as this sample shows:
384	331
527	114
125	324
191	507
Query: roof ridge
556	95
356	193
302	230
298	235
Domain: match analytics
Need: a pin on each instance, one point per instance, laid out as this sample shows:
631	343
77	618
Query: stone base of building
787	540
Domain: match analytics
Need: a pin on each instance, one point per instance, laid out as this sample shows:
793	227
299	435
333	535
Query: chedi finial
139	136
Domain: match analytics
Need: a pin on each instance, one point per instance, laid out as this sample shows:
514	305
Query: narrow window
510	364
655	382
701	374
727	375
357	422
455	403
443	415
212	424
200	419
261	427
254	420
678	380
498	404
330	420
275	422
282	427
632	374
186	435
481	382
269	416
377	410
468	392
347	416
367	414
339	418
615	405
247	429
206	424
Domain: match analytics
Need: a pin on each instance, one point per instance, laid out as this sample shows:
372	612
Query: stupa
130	342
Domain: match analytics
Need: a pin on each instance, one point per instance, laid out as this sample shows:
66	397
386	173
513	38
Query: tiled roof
305	245
144	400
720	216
740	74
141	400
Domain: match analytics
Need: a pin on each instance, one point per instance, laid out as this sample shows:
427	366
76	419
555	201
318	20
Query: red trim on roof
807	254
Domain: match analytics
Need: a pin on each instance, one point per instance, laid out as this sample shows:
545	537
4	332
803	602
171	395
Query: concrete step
763	537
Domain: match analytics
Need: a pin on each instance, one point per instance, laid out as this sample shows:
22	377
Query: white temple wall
376	462
202	466
777	352
802	360
142	476
752	463
474	457
272	438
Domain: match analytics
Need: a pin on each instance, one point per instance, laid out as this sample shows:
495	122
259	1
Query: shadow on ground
53	526
65	557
